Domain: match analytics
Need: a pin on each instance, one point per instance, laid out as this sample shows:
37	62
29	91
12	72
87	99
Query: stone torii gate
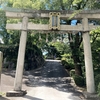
55	17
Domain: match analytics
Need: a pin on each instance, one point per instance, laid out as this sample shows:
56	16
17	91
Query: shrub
98	89
72	72
67	61
79	80
97	81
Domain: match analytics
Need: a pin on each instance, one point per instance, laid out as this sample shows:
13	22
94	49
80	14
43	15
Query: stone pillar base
16	93
91	96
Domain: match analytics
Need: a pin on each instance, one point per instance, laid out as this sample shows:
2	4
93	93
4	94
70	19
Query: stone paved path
51	82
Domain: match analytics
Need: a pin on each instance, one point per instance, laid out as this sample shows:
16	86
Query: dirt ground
50	82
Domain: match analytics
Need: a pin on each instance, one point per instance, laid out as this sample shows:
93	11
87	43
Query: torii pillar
20	62
88	58
1	59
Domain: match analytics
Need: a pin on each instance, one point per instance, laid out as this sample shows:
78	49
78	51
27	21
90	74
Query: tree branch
95	37
62	6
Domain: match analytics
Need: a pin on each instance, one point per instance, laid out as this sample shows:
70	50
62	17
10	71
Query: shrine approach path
50	82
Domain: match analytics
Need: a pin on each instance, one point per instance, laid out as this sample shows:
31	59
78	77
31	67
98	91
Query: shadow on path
3	98
52	74
31	98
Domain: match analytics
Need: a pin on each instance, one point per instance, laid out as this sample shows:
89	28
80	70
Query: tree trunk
78	67
75	46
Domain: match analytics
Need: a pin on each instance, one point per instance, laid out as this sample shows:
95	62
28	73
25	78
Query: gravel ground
51	82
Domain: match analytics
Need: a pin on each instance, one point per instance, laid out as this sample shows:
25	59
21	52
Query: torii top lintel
64	14
31	13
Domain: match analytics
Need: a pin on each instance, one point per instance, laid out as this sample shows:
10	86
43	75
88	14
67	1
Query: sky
73	22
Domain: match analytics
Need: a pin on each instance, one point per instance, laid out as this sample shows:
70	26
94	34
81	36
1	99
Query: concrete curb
91	96
16	93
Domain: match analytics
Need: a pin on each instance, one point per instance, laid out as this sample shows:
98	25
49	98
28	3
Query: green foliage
22	4
97	30
33	57
96	5
61	47
37	4
2	18
77	1
9	51
72	72
3	32
11	44
67	61
58	49
75	13
95	43
79	80
99	89
97	80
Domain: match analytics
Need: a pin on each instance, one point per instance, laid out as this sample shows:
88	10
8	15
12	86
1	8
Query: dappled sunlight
52	75
50	82
27	97
49	93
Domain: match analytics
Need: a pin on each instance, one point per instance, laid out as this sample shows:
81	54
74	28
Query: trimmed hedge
79	80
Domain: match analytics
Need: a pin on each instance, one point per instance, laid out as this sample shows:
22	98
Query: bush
97	81
98	89
64	62
67	61
72	72
79	80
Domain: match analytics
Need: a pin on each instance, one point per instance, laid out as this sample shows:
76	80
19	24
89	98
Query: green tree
11	38
75	45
